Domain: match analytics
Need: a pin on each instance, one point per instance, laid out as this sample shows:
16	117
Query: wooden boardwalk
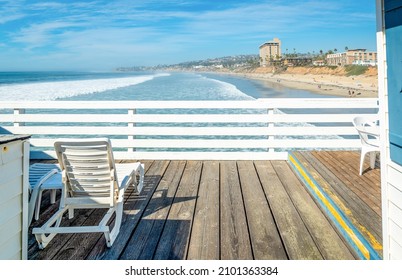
212	210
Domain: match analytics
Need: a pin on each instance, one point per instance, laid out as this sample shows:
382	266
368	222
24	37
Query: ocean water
118	86
19	86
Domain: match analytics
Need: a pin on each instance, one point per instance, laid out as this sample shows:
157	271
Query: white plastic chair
367	127
91	180
42	176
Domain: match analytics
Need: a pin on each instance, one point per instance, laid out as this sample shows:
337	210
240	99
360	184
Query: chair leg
38	203
70	213
140	184
43	239
52	196
32	204
111	236
362	155
372	159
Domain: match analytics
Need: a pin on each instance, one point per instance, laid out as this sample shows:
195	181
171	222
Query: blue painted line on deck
352	235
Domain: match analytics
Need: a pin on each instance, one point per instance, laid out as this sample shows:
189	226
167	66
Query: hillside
317	70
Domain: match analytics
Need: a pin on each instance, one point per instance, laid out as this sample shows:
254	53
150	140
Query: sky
101	35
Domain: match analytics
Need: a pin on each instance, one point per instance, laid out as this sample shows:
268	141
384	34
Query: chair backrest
88	170
360	122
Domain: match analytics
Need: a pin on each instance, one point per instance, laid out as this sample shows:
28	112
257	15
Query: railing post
130	124
18	112
270	125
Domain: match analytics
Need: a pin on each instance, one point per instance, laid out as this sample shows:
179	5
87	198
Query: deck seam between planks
270	208
350	232
195	207
358	208
245	211
143	208
170	207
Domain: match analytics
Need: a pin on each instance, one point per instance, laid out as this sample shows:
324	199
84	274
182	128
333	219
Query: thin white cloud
149	31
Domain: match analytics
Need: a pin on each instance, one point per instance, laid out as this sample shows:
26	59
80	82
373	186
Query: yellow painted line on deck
333	211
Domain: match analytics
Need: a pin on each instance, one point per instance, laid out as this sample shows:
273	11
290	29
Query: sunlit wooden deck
228	210
358	197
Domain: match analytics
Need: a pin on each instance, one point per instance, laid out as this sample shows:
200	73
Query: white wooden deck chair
90	180
42	176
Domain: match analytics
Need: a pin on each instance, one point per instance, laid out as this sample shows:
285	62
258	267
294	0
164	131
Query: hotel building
270	51
355	57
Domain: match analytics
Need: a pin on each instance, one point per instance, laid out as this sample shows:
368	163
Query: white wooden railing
215	130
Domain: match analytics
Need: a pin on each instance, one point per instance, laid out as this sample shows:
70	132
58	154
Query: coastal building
269	52
353	57
336	59
297	61
319	62
389	32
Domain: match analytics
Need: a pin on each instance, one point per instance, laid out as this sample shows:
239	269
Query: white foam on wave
230	91
63	89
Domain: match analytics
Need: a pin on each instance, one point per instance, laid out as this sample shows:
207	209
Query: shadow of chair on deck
137	232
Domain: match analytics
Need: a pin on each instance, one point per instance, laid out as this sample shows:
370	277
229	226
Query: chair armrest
45	177
123	186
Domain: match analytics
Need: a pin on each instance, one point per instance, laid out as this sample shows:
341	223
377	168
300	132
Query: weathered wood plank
204	242
79	245
209	210
175	237
329	243
265	240
363	217
353	180
295	236
82	245
144	240
352	161
133	210
60	240
235	239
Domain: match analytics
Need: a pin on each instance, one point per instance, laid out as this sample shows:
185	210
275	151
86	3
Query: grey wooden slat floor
207	210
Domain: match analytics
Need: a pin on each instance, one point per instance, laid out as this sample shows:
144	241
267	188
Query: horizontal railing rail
224	130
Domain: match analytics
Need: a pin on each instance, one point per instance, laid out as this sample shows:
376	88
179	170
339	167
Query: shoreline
341	86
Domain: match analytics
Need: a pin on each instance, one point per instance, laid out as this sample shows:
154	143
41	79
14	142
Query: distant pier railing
199	130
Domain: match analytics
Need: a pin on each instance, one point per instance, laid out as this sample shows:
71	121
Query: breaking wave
63	89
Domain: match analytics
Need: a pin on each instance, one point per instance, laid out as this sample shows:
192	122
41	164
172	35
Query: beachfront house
389	40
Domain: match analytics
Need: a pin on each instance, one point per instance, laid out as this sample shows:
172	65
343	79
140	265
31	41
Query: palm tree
335	50
346	49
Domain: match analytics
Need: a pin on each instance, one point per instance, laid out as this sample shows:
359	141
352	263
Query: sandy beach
328	84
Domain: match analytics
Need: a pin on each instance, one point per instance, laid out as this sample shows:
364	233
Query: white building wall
13	200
